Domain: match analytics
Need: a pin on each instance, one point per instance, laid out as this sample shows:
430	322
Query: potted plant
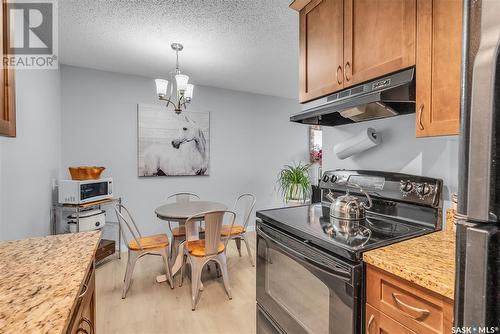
294	182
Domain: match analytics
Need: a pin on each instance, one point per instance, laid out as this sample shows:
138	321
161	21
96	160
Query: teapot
349	207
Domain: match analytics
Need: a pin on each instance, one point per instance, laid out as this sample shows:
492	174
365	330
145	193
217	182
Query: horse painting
181	148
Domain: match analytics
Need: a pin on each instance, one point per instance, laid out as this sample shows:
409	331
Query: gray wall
250	140
29	162
400	151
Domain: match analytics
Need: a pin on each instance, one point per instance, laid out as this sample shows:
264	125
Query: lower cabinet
396	306
378	323
83	314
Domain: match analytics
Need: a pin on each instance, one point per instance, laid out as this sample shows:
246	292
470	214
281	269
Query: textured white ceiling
247	45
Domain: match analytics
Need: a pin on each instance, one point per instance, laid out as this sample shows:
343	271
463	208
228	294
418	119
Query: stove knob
333	179
406	187
326	178
423	190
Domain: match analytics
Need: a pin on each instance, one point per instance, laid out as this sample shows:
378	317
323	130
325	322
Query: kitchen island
46	281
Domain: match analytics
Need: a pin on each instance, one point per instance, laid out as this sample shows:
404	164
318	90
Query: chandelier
184	91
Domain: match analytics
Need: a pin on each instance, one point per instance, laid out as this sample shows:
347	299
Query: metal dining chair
198	252
243	206
139	246
179	232
182	197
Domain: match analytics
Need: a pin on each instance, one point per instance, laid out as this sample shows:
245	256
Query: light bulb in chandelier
161	87
189	92
182	82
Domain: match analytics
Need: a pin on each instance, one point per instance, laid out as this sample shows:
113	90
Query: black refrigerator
477	284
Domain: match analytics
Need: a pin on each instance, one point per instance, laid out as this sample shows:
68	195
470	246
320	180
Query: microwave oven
81	192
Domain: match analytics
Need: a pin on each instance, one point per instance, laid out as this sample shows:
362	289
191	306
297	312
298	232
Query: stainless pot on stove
349	207
347	211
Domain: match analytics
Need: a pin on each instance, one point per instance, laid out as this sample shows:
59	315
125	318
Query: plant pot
295	194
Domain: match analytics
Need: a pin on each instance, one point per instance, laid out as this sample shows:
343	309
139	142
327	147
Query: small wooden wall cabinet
347	42
396	306
82	318
8	94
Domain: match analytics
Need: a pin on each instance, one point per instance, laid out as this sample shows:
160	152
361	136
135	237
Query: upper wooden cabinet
321	54
379	38
439	40
7	96
346	42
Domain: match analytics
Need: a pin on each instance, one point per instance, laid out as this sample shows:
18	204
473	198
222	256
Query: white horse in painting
186	154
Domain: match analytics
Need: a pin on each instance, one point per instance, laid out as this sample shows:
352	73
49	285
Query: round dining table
179	212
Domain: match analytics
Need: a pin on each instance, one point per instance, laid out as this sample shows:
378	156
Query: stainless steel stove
309	266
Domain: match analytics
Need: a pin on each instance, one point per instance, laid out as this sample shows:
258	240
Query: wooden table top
187	209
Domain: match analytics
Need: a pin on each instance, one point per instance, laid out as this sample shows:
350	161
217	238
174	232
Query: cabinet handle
81	330
372	317
85	288
420	113
422	313
89	323
348	64
339	78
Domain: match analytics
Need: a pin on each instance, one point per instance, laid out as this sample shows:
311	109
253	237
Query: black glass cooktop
308	223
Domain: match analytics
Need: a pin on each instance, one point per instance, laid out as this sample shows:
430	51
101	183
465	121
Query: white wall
29	162
250	139
399	151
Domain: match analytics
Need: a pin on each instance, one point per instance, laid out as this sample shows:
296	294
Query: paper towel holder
357	144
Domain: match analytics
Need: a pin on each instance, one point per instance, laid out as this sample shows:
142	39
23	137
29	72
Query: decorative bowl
81	173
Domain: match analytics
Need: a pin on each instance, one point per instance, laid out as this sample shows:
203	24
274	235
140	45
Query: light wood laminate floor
151	307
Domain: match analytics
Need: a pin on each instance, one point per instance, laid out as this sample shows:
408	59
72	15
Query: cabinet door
378	323
379	38
83	317
7	96
321	54
439	39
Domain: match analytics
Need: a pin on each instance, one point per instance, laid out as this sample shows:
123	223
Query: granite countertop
428	261
40	279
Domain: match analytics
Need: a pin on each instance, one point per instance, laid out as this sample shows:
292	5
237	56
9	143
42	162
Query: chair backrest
127	224
213	226
183	197
243	207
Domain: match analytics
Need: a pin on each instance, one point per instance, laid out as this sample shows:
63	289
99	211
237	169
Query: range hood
388	96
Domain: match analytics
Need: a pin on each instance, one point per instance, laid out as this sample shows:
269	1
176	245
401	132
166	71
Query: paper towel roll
357	144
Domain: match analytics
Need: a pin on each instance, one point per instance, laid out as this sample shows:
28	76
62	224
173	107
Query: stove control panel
422	190
392	186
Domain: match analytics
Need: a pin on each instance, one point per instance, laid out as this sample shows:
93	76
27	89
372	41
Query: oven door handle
342	274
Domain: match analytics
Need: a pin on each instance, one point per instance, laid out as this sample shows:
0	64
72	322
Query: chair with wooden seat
179	232
182	197
139	246
243	207
199	252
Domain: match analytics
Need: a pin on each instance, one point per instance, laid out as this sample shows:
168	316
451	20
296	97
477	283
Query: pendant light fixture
183	90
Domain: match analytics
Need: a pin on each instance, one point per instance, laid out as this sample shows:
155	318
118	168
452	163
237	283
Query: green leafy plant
294	182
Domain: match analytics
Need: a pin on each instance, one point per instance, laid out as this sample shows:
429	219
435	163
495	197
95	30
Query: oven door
305	290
